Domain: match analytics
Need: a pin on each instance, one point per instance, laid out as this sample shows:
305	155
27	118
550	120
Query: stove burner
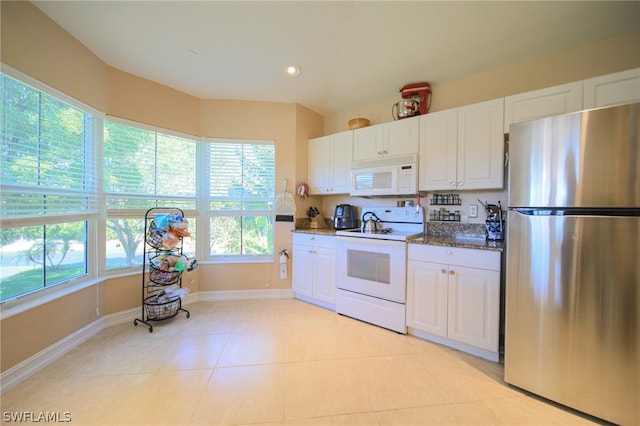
379	231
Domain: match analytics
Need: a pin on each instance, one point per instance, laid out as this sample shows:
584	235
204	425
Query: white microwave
385	177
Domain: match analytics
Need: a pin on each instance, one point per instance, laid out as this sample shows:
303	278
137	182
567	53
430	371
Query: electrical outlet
473	210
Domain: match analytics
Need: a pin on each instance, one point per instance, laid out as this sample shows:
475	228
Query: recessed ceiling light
292	71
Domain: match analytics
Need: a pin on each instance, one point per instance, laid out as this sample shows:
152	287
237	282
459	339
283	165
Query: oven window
370	266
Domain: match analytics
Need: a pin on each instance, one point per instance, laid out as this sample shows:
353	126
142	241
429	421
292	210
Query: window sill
19	304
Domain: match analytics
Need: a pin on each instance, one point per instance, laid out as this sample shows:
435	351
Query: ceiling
351	52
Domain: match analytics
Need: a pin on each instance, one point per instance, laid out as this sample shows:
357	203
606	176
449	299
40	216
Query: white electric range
371	267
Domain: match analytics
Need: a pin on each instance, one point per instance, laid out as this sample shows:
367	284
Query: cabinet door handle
452	183
452	272
460	183
444	271
448	252
379	152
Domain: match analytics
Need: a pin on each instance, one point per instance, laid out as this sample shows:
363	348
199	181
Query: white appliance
392	176
371	267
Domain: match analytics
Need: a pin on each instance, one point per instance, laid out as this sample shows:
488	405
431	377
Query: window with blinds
52	211
47	164
48	185
146	168
241	195
143	168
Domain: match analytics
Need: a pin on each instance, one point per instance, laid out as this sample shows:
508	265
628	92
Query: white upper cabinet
606	90
386	140
438	161
402	137
542	103
330	163
481	146
612	89
368	142
463	148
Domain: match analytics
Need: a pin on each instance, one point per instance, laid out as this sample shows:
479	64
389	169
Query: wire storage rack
164	260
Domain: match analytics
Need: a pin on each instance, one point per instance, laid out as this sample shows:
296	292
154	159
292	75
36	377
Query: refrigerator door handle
579	211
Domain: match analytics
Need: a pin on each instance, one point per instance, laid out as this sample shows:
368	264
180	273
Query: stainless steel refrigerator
572	329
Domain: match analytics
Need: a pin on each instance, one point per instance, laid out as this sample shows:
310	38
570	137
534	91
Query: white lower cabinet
313	269
453	297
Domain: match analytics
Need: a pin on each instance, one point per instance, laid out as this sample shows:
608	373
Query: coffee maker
344	217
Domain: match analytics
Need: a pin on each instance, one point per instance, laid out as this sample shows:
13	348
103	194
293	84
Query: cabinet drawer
481	259
326	241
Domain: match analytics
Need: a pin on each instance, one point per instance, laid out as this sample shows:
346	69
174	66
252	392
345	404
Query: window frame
207	213
139	213
96	221
91	218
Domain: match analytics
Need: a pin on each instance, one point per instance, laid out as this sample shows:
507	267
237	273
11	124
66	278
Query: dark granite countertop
320	231
448	235
462	242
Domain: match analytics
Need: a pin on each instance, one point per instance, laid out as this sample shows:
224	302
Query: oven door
372	267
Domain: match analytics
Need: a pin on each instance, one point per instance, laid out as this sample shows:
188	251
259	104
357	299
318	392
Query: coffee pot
344	217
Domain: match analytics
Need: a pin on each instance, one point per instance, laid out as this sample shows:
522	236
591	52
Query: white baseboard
317	302
129	315
482	353
122	317
34	363
221	295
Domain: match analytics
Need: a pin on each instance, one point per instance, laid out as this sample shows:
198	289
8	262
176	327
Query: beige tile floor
274	362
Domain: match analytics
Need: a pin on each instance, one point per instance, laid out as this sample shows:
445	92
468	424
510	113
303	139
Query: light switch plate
473	210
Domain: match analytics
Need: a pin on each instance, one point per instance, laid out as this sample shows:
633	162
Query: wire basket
166	268
161	239
163	277
159	308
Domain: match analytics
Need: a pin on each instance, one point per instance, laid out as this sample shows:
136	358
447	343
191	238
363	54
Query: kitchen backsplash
464	230
327	203
305	223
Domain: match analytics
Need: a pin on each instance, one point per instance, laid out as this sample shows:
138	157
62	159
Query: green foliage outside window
47	173
49	205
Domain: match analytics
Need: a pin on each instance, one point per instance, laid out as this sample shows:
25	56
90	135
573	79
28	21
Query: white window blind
47	166
144	168
242	174
241	196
